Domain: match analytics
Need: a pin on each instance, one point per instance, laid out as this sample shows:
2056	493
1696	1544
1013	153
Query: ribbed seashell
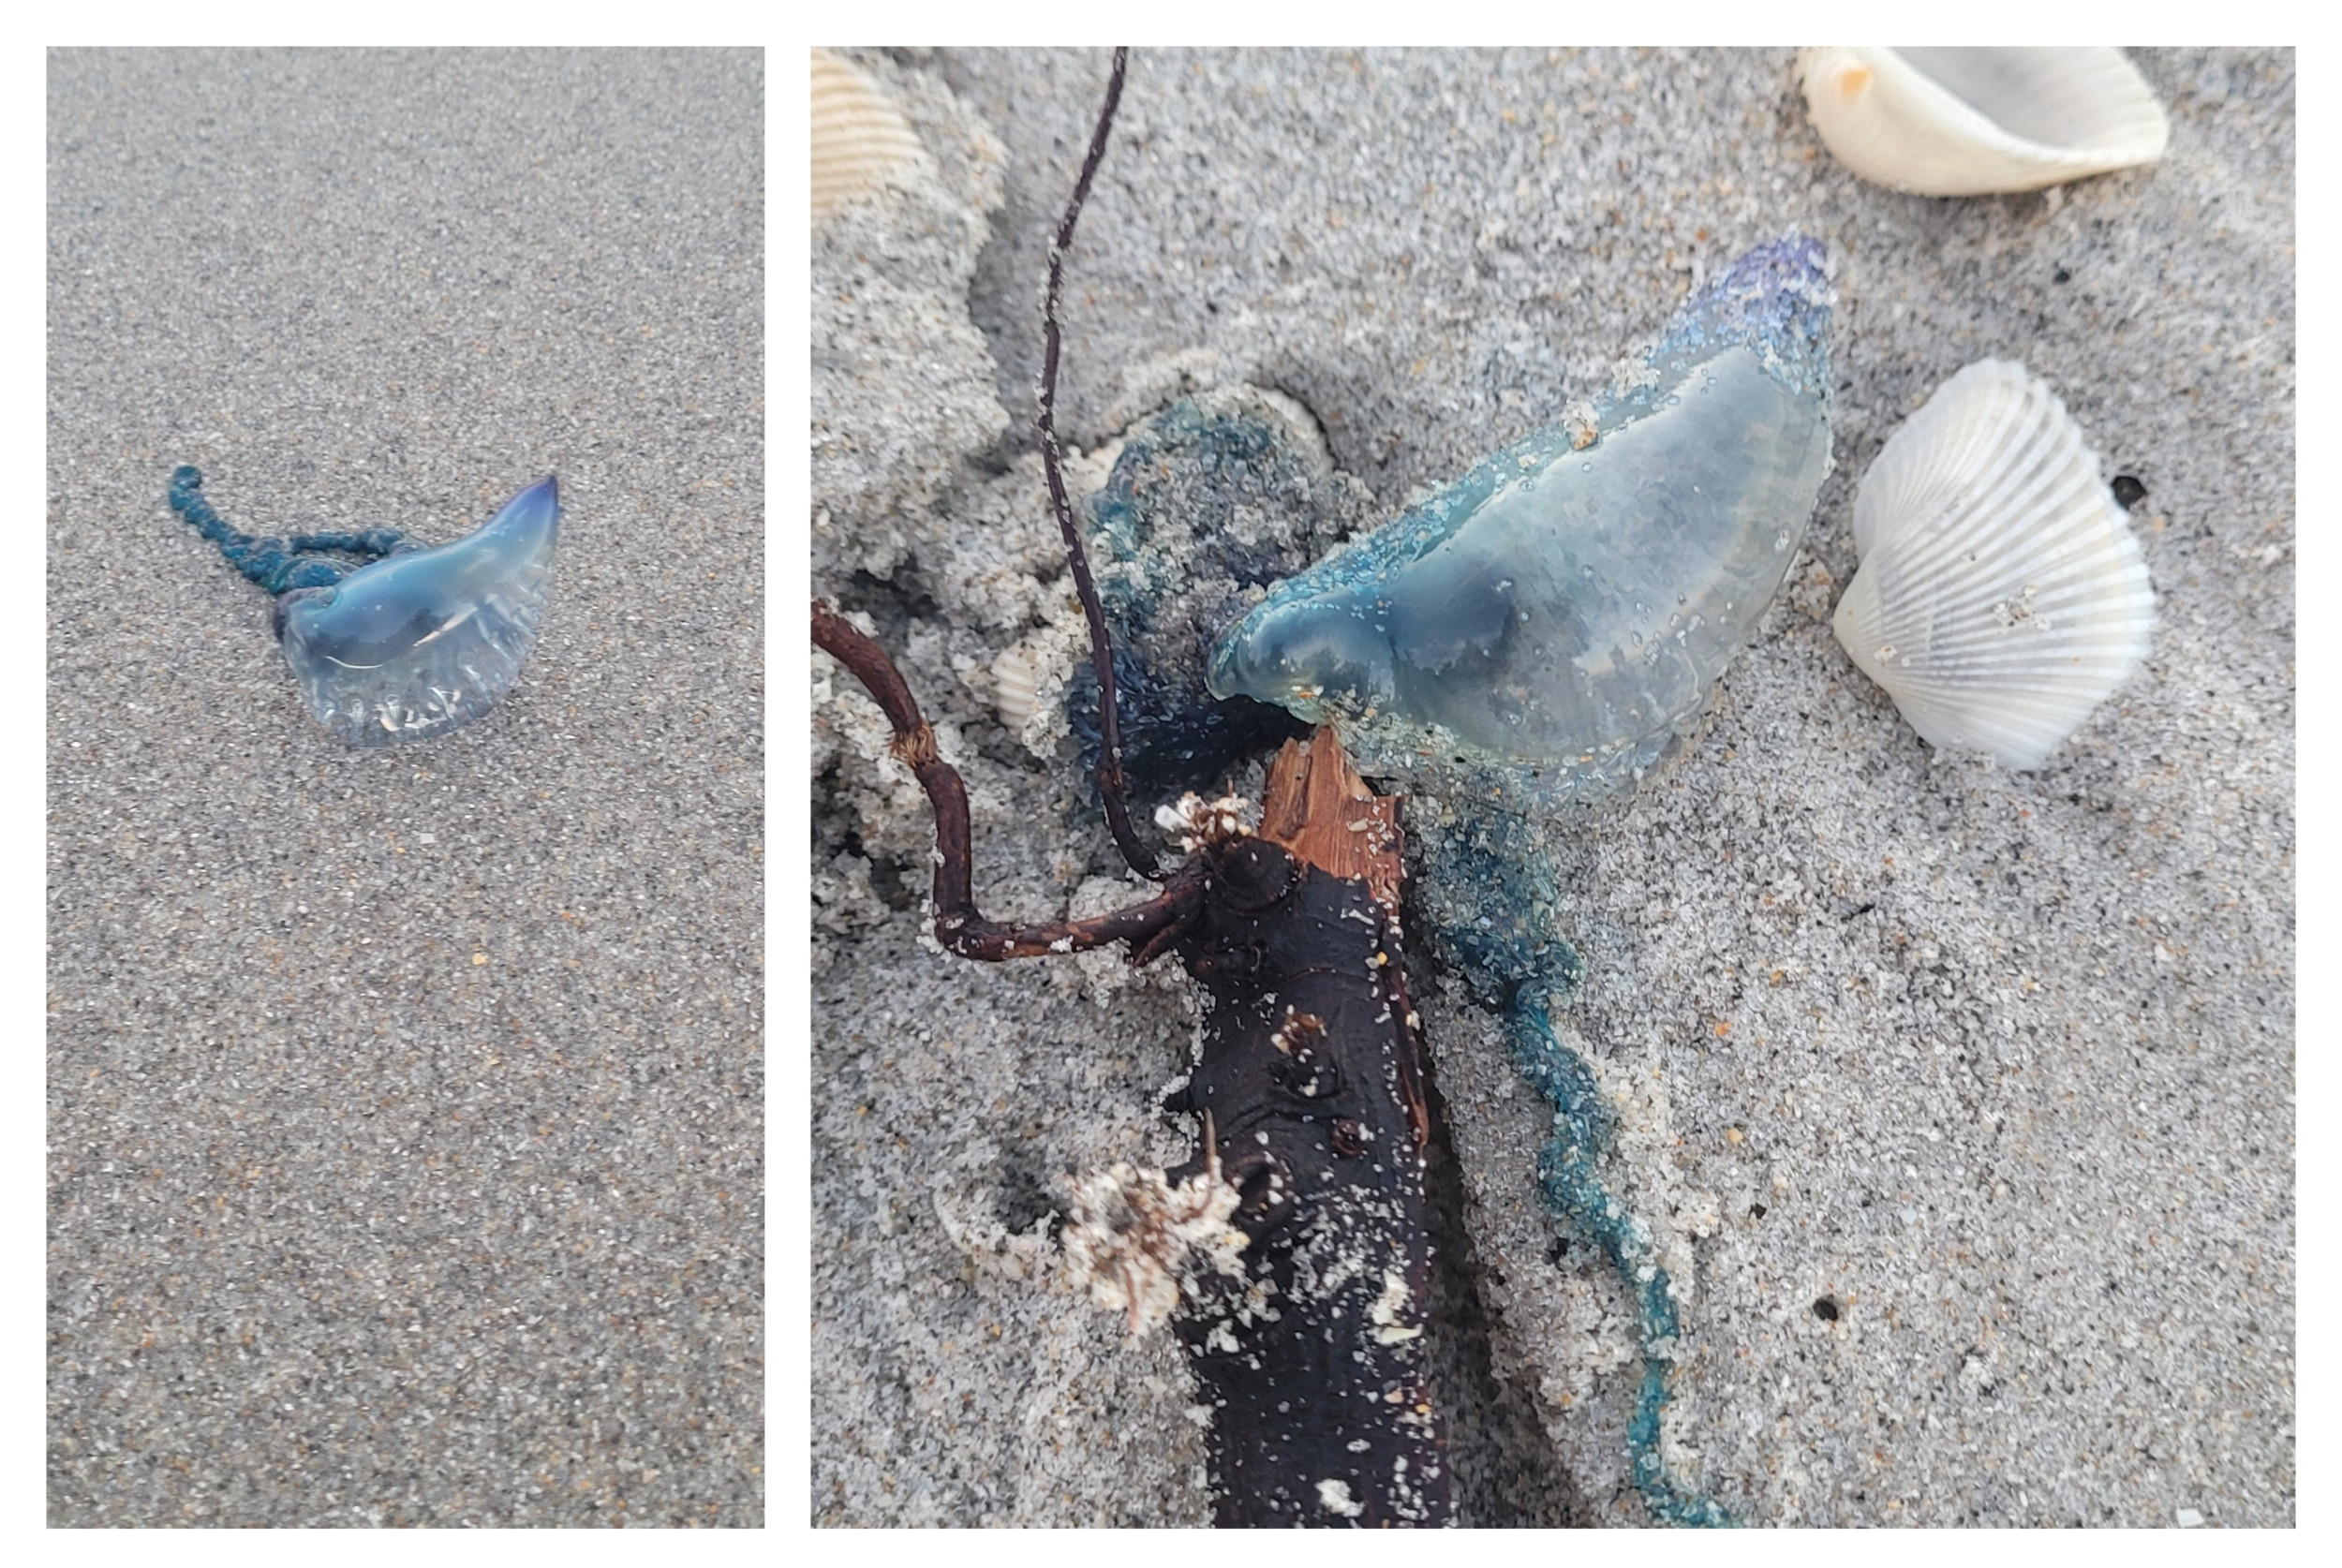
1015	687
859	136
423	641
1969	122
2001	596
1552	623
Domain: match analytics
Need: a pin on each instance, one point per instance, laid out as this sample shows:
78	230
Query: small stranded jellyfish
416	642
1554	622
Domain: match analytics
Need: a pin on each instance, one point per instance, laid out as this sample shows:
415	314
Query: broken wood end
1317	808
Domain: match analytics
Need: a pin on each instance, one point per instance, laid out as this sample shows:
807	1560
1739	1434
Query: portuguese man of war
390	641
1544	632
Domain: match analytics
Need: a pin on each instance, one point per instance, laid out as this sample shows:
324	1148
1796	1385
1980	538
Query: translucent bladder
1550	626
423	641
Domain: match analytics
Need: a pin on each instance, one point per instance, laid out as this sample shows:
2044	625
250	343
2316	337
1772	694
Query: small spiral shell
1016	689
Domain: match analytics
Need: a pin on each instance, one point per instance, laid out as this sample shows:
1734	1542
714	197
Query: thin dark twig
1139	857
959	925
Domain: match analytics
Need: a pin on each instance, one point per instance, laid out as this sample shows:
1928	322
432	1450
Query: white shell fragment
1015	687
2001	595
859	137
1969	122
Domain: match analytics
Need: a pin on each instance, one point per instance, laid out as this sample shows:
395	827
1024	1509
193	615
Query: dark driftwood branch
959	925
1110	789
1311	1082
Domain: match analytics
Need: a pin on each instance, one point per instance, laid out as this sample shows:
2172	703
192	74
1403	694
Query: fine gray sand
406	1128
1959	1100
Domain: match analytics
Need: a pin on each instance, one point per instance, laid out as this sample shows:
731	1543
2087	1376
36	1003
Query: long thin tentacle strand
1490	895
1569	1178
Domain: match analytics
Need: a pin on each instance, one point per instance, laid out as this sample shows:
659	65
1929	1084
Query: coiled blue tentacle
1490	891
371	543
279	565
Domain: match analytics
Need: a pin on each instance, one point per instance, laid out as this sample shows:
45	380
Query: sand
406	1131
1960	1099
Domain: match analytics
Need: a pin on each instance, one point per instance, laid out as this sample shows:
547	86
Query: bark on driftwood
1311	1082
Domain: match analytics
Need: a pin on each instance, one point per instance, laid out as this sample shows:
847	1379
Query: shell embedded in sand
1968	122
859	137
1016	687
2001	596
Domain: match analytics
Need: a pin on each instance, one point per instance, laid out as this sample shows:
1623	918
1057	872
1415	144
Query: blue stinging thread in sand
278	565
401	642
1488	890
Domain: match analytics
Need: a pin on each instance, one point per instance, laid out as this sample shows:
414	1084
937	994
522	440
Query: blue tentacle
367	543
279	565
1570	1181
1490	895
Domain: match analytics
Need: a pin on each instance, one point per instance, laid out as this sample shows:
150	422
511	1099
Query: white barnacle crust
1135	1238
1298	1031
1334	1497
1197	822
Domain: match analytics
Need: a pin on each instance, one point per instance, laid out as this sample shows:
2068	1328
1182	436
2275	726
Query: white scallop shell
2001	595
859	137
1967	122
